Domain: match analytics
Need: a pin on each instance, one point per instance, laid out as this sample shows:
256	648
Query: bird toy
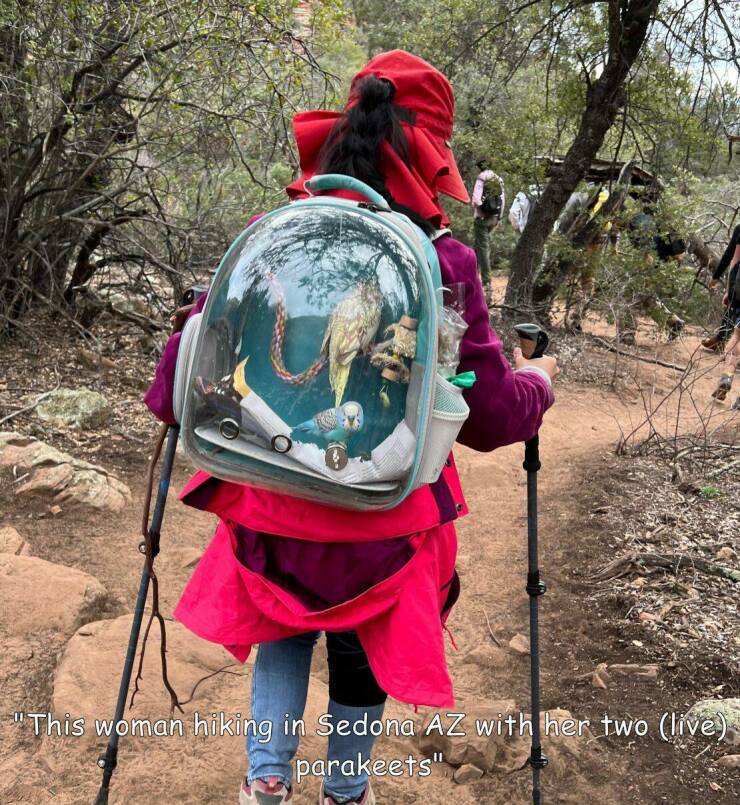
352	326
278	336
388	356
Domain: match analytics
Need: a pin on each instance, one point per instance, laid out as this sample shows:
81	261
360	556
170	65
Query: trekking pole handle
533	340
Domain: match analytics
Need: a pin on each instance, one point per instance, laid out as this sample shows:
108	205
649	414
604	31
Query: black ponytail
353	146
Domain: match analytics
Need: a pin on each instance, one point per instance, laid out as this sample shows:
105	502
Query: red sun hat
425	91
431	168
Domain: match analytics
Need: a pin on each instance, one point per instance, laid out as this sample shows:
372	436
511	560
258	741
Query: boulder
76	408
11	437
467	774
60	477
470	748
48	480
41	597
92	488
41	605
87	676
724	713
487	656
192	768
12	542
729	761
26	454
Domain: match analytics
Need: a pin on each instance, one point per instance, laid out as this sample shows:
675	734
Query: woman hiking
380	584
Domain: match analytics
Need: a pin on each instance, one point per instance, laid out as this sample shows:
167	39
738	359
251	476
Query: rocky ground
623	634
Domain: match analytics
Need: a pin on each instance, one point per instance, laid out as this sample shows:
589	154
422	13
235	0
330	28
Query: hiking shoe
736	404
264	792
367	798
723	387
714	344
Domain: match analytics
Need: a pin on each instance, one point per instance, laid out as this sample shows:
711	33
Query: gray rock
125	303
76	408
722	712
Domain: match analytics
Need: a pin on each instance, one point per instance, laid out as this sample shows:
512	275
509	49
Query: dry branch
612	348
638	562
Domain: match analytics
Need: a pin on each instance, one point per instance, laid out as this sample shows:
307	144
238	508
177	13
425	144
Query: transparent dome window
310	341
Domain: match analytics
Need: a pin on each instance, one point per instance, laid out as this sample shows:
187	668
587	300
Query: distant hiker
382	583
731	300
581	282
488	202
716	342
645	236
574	206
522	206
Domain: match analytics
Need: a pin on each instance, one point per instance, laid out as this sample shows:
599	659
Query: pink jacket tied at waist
279	566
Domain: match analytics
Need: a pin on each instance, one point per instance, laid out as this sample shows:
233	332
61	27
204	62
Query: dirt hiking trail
76	668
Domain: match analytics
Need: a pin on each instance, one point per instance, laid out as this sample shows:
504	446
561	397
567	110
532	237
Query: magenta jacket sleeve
506	406
158	397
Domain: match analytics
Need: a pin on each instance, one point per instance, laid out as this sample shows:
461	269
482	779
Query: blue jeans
280	687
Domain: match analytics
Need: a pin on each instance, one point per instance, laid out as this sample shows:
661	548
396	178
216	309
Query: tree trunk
628	25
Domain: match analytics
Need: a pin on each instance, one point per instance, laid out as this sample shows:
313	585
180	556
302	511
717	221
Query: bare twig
490	630
612	348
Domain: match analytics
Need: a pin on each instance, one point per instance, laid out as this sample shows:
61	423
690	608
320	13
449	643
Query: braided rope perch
278	336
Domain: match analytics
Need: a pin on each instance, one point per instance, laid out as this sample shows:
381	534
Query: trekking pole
107	761
533	340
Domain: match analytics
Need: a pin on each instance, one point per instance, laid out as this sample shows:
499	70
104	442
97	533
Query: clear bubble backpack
313	367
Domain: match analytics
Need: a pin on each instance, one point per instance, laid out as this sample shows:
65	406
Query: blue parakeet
334	424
